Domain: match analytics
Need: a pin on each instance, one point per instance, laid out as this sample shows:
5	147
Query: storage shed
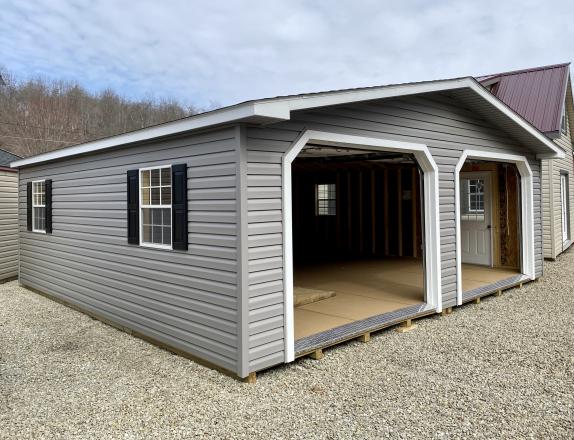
8	217
543	96
251	235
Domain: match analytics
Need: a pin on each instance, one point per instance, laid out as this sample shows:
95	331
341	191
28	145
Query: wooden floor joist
406	326
366	337
446	311
252	378
317	354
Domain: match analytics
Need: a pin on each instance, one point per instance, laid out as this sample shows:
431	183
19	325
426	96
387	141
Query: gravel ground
501	369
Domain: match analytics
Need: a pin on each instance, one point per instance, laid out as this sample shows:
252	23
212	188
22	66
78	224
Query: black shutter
48	188
179	206
29	205
133	207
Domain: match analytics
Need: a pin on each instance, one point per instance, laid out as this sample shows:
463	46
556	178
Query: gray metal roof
536	94
6	157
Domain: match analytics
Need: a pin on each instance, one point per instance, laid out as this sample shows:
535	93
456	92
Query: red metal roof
536	94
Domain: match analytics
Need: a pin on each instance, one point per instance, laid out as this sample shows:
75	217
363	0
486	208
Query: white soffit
271	110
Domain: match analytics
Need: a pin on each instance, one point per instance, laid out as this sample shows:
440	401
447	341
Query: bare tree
42	115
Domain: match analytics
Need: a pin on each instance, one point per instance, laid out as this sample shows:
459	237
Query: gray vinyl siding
185	299
437	121
553	245
8	225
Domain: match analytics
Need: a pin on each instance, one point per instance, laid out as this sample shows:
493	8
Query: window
326	197
155	206
563	121
476	196
39	206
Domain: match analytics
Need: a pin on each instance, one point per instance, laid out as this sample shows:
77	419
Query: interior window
155	215
326	199
39	206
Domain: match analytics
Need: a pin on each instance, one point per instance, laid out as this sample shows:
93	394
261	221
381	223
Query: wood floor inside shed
365	288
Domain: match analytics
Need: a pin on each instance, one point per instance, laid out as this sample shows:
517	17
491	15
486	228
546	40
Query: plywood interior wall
378	211
505	184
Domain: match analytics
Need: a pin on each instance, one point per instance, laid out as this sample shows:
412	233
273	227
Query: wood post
414	200
317	354
386	203
498	293
373	215
400	209
477	300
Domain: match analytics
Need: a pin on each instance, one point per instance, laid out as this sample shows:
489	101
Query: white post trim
431	212
527	210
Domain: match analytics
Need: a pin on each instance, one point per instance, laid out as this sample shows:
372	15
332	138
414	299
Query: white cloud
228	51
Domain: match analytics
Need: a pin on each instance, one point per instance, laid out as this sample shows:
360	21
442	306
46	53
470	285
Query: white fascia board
279	109
227	115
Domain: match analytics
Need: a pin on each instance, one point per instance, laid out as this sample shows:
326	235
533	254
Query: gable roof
270	110
6	157
537	94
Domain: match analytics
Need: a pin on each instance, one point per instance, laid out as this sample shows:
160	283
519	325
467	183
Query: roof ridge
530	69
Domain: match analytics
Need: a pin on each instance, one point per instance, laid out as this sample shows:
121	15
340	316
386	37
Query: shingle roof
6	157
536	94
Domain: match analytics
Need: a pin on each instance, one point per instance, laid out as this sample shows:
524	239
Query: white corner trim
280	108
527	211
431	210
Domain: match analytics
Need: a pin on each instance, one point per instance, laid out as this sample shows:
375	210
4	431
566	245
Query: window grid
326	197
39	206
155	207
476	196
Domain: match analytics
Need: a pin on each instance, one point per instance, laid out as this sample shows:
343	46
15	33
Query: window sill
156	246
38	231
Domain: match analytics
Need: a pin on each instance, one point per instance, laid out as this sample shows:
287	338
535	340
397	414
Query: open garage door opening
358	234
490	226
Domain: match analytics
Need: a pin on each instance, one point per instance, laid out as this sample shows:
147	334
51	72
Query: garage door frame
431	214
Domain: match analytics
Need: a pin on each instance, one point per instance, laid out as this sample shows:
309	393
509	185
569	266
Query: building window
155	207
475	196
563	121
39	206
326	197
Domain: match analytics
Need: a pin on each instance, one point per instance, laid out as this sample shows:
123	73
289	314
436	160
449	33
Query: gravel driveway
501	369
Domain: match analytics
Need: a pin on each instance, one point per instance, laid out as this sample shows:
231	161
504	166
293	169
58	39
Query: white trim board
431	212
526	204
271	110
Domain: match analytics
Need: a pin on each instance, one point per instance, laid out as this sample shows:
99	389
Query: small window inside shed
326	199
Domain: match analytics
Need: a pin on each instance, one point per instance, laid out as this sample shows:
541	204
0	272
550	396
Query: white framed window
563	121
39	206
155	207
326	199
475	196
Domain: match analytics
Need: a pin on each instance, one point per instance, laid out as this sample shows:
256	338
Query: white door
475	221
565	207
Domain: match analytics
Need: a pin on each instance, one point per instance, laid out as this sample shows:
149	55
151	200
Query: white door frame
487	197
526	208
431	212
564	208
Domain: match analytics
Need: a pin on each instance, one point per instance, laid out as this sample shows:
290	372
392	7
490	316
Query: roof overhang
10	170
267	111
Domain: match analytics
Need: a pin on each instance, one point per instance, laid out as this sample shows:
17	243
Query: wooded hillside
42	115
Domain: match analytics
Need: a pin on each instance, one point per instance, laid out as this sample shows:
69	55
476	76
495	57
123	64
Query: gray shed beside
8	217
225	293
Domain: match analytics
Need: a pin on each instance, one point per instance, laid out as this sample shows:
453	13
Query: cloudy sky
220	52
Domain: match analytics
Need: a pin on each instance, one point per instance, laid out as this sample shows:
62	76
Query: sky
215	53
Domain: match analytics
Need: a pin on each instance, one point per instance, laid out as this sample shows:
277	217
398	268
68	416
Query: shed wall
185	299
552	207
438	121
8	225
